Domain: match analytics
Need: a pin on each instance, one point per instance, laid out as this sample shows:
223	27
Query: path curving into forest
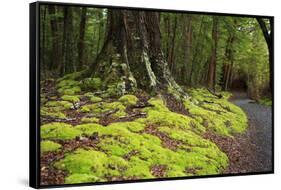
256	143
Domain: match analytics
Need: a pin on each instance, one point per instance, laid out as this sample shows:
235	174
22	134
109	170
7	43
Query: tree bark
68	63
81	44
186	71
132	53
211	79
56	47
171	47
228	64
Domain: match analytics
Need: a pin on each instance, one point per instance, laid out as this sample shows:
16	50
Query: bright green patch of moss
128	100
90	166
69	90
71	98
95	99
58	130
59	104
81	178
49	146
89	120
104	107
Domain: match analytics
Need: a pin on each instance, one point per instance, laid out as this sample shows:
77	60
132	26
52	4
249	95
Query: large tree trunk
268	35
81	44
211	78
132	53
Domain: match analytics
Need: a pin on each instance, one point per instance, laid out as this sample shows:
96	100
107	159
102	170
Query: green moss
71	76
58	130
91	83
52	112
217	114
128	100
69	90
49	146
67	83
265	101
90	166
95	99
81	178
103	107
161	115
89	120
71	98
90	128
59	104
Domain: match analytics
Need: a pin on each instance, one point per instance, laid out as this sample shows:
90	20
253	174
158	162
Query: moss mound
49	146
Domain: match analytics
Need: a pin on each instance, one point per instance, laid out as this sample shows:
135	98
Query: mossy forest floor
90	135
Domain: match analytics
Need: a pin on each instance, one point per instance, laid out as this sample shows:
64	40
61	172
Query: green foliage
128	100
265	101
49	146
57	130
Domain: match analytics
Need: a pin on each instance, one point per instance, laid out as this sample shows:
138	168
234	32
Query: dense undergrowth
126	136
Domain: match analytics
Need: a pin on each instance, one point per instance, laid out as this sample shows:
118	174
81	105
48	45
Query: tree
68	63
56	47
132	53
81	43
211	78
268	36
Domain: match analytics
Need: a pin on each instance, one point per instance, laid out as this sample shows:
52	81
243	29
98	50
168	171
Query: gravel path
258	138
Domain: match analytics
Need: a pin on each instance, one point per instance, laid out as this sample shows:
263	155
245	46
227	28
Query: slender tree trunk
99	32
171	56
56	50
197	48
43	44
228	65
211	79
187	31
132	53
81	43
68	64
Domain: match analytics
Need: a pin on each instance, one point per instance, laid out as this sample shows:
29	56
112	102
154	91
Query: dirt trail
256	143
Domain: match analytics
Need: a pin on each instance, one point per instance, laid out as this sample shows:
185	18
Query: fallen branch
106	114
139	114
52	119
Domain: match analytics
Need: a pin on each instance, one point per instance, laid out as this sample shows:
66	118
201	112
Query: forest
142	94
